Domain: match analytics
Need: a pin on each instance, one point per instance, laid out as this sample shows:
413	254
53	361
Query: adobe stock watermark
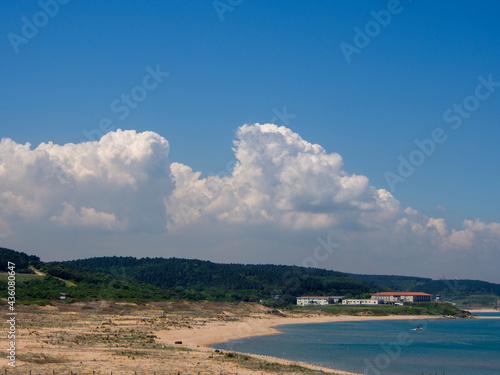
32	25
216	185
452	289
283	116
390	352
364	36
324	250
123	105
292	281
3	236
223	6
122	108
455	116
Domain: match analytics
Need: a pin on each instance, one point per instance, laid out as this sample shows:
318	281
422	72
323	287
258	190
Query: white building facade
402	297
318	301
360	302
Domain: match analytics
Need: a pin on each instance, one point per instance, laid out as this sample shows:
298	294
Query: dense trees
21	260
459	287
229	282
145	279
401	283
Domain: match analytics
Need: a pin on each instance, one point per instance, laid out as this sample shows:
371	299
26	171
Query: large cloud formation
111	185
282	196
281	179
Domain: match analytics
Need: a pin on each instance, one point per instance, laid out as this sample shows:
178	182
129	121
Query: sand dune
124	338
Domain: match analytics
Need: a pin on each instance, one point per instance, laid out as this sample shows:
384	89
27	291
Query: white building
401	297
318	301
360	302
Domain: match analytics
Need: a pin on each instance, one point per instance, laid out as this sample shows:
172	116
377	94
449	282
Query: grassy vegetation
140	280
419	308
20	277
38	358
21	260
476	301
24	277
40	290
130	279
193	279
131	353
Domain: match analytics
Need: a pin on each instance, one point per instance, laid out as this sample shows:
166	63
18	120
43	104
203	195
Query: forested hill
456	287
159	279
21	260
400	283
247	281
53	278
426	285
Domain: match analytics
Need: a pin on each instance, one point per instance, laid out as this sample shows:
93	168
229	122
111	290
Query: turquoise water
452	346
487	314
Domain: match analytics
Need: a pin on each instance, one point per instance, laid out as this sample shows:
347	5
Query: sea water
389	347
488	314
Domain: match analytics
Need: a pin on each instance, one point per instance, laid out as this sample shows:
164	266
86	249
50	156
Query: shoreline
201	338
472	311
124	337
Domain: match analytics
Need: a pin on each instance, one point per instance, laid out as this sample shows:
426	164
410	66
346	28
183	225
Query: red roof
313	297
401	294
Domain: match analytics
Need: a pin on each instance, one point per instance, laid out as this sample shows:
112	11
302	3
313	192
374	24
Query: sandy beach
166	338
261	325
483	310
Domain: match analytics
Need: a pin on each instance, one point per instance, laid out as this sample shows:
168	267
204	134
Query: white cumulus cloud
86	217
116	183
121	194
282	179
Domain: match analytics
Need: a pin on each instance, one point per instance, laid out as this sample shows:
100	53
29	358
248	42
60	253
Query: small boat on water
417	328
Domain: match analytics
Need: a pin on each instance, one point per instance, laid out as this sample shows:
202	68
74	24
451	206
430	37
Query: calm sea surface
452	346
490	314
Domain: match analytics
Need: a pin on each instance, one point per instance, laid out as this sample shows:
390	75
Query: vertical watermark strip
11	314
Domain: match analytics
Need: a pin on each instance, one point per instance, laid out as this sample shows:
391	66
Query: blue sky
245	65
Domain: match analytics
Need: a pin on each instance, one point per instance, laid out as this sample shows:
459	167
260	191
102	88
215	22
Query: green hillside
400	283
78	283
146	279
230	282
459	287
128	278
21	260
